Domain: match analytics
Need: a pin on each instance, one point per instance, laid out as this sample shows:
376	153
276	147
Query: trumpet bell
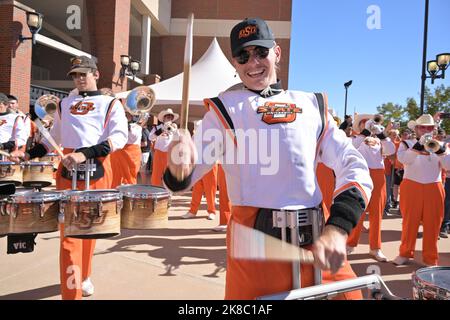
46	105
378	118
140	100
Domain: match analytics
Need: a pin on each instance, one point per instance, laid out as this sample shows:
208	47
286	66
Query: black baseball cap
82	64
251	32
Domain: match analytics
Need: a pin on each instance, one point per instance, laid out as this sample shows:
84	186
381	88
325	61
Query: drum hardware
292	220
374	283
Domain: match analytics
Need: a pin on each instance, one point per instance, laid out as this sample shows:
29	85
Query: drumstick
184	111
252	244
49	138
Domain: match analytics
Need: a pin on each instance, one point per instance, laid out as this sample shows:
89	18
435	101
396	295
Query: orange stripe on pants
421	202
159	166
208	186
224	201
76	254
375	210
125	165
246	279
327	183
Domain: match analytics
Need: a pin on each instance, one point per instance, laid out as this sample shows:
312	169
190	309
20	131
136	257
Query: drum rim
424	283
138	195
38	163
9	163
81	195
25	197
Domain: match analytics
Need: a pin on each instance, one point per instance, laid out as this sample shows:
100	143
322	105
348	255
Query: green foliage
438	101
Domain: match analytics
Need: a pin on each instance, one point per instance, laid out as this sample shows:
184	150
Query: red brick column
15	57
109	26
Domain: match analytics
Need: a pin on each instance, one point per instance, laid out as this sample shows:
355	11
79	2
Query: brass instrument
378	118
45	107
170	127
431	145
140	100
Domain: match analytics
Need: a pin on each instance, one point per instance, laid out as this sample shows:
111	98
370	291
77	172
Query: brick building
150	31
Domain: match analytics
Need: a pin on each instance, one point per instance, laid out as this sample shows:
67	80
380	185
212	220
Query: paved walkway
184	261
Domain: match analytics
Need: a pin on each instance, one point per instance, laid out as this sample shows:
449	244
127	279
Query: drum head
143	191
437	276
27	196
92	195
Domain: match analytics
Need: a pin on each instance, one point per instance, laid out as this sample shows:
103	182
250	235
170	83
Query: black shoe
443	234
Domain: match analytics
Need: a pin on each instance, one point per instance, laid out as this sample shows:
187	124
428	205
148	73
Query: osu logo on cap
279	112
76	61
247	31
82	108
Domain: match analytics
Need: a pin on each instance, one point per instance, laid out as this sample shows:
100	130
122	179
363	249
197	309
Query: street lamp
346	85
34	22
130	67
440	64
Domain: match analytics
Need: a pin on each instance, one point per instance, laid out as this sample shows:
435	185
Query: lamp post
346	85
34	22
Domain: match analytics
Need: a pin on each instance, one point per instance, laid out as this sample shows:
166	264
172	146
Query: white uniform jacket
12	128
270	154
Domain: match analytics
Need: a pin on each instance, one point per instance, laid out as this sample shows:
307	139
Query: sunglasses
244	55
426	128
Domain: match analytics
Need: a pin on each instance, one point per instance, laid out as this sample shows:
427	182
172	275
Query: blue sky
331	44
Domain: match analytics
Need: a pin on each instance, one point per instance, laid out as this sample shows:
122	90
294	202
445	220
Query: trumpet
431	145
170	127
46	105
140	100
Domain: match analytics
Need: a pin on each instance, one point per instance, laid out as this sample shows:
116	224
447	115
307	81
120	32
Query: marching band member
162	135
13	106
422	192
303	128
207	185
88	125
373	146
13	134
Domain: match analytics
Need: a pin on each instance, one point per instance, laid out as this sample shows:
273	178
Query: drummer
12	129
88	125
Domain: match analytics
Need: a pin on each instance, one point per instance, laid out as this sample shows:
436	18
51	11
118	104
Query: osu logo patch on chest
279	112
82	108
2	122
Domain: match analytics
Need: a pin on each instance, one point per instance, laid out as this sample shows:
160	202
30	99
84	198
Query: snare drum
144	206
33	212
92	214
37	174
431	283
11	172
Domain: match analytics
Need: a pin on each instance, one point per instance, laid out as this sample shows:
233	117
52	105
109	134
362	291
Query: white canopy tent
210	75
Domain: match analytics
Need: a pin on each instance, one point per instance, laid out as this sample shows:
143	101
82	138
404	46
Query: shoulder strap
322	109
406	145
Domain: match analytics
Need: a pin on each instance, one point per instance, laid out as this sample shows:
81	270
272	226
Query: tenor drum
92	214
431	283
144	207
33	212
37	174
11	172
54	158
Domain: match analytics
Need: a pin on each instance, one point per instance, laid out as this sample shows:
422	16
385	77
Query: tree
411	111
391	112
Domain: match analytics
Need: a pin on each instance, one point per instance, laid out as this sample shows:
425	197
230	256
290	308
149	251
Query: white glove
424	138
368	125
377	129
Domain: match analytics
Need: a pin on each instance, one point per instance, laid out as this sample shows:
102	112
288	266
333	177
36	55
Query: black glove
365	133
381	136
441	150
